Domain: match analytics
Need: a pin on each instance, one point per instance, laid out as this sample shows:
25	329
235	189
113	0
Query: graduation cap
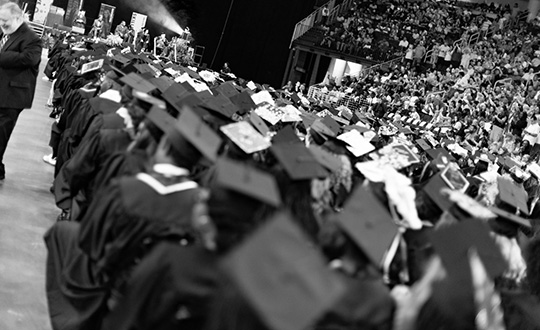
453	242
360	129
245	137
298	161
262	97
166	123
357	144
326	158
423	144
258	123
283	278
191	73
454	296
243	102
340	120
144	68
162	83
120	61
469	205
326	126
227	89
286	135
368	223
177	92
137	82
248	180
147	101
92	66
200	135
222	105
295	98
449	178
283	102
513	194
510	217
434	154
308	119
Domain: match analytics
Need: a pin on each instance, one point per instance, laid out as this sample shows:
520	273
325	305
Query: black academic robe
78	173
76	294
87	262
121	164
355	311
126	218
172	288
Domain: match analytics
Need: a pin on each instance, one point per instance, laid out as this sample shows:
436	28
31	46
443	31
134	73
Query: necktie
3	41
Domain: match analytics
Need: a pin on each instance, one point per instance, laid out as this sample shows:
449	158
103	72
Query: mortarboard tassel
488	302
398	245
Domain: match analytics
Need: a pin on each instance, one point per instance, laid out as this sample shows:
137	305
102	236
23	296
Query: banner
107	12
71	12
42	10
138	21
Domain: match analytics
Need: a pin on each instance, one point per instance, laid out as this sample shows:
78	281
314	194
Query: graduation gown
133	213
172	288
87	262
76	295
78	173
121	164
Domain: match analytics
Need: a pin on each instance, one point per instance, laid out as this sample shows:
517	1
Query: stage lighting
157	12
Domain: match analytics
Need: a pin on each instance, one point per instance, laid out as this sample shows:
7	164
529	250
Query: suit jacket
19	67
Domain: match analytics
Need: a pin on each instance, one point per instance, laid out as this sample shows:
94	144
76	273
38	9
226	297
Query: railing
307	23
338	10
377	66
37	28
336	98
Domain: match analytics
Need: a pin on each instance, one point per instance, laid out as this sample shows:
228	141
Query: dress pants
8	119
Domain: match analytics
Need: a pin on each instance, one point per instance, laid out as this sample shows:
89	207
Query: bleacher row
382	28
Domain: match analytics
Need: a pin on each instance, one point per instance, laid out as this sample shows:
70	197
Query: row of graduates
174	225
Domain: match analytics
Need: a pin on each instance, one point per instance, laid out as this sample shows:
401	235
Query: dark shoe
2	177
64	216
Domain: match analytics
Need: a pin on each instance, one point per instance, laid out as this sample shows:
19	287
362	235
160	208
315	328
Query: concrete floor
27	210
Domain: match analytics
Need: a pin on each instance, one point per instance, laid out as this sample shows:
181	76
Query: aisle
26	211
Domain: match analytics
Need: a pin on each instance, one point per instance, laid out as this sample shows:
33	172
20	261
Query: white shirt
531	133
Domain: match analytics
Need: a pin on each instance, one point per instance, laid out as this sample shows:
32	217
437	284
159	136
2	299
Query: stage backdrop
72	10
107	11
256	39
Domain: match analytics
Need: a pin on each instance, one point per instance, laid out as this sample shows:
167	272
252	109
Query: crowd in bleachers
383	30
496	75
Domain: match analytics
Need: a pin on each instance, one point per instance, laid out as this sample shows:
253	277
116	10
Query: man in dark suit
20	55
